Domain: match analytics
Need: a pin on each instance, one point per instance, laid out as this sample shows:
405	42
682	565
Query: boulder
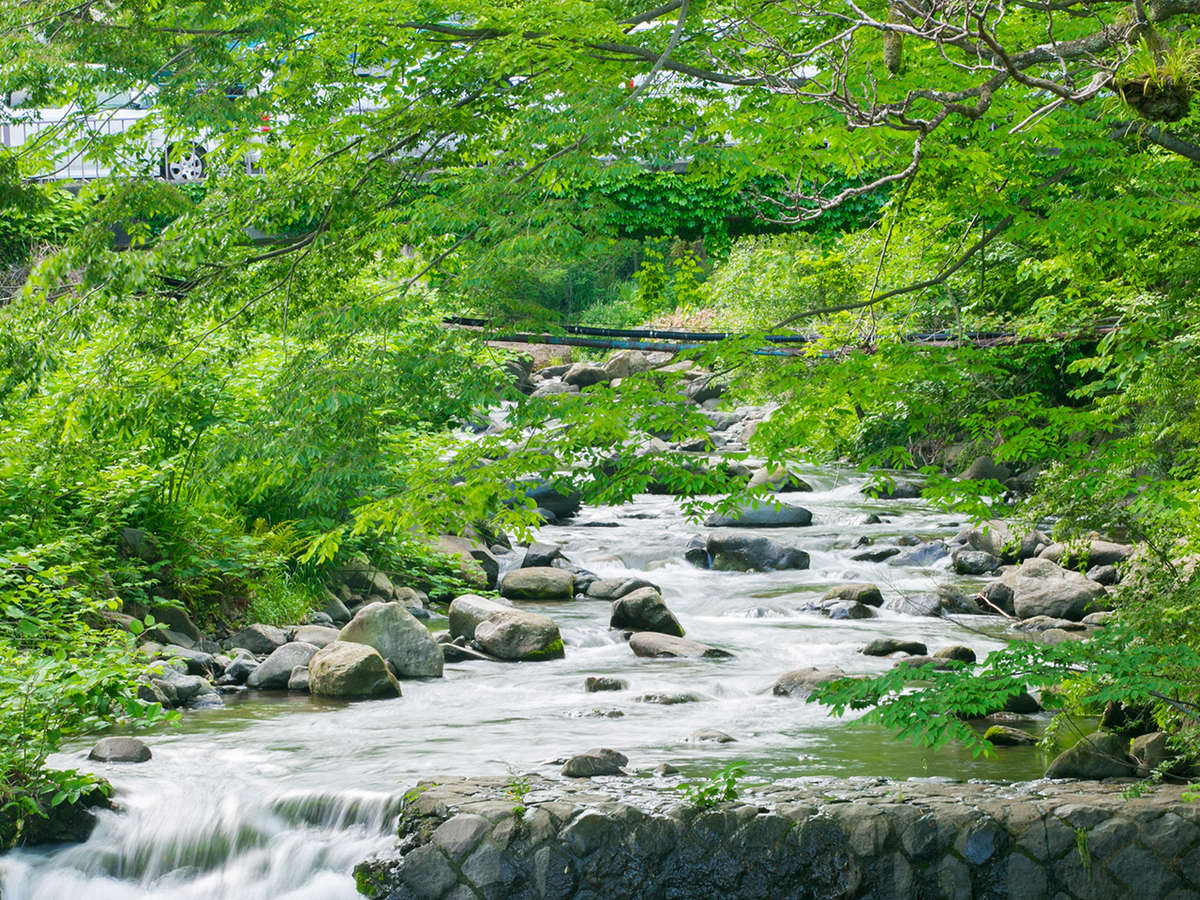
404	643
644	610
276	669
467	551
892	490
800	683
1096	756
517	634
299	679
616	588
957	652
317	635
597	683
546	496
598	761
1092	552
1007	736
984	468
197	661
364	578
1149	752
764	515
468	610
973	562
656	646
1042	588
999	539
741	553
781	481
119	749
585	374
1105	575
541	555
539	583
624	363
343	669
862	592
258	639
888	646
176	619
239	670
696	552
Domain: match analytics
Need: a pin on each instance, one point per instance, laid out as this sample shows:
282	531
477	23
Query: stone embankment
852	838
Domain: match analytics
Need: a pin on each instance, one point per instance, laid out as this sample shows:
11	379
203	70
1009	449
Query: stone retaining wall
858	838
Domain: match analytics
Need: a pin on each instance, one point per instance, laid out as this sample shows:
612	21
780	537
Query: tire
184	163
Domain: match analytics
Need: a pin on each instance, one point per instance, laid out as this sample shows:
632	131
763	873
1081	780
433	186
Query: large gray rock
1096	756
258	639
862	592
624	363
468	610
741	553
1092	552
332	606
748	515
276	669
400	638
973	562
800	683
342	669
362	577
298	680
599	761
119	749
653	645
539	583
541	555
1042	588
519	635
616	588
1001	540
585	374
546	496
644	610
468	551
781	481
984	468
317	635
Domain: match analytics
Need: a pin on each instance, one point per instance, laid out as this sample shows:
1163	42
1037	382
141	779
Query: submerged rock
741	553
800	683
888	646
862	592
652	645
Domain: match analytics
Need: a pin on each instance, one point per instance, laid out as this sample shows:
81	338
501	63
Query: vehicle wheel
184	162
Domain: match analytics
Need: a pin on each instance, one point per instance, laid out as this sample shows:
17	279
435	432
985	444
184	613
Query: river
277	796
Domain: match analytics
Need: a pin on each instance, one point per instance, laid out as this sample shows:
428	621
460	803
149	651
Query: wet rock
1096	756
652	645
616	588
799	683
468	610
888	646
540	583
740	553
925	554
597	683
847	609
403	642
781	481
748	515
547	497
541	555
862	592
644	610
238	671
185	689
664	769
298	680
598	761
956	652
878	554
973	562
276	669
999	539
518	635
344	669
317	635
696	552
1007	736
258	639
892	490
711	735
119	749
1041	588
999	595
664	698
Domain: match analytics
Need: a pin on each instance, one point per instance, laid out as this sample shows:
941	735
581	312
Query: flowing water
277	796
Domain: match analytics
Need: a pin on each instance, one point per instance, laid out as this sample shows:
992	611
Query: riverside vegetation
255	403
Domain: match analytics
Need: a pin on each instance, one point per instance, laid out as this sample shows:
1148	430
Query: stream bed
277	796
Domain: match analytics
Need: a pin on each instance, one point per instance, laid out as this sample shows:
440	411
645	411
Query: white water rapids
278	796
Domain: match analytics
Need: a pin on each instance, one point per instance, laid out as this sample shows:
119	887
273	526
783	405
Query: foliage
720	787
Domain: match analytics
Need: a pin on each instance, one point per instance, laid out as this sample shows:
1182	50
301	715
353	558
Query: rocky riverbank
849	838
